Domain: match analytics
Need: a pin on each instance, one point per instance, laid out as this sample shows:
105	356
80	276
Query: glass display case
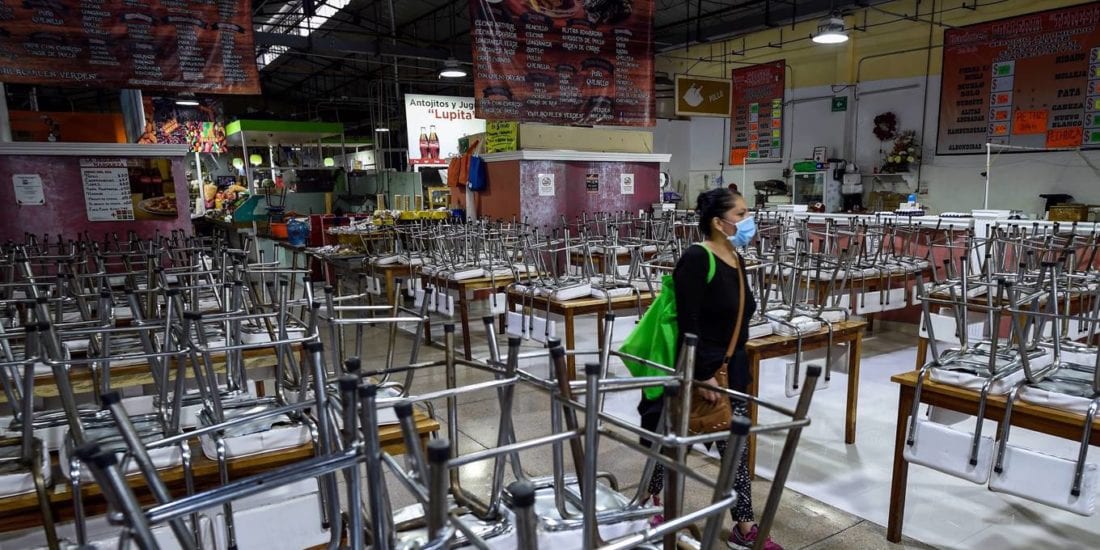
812	187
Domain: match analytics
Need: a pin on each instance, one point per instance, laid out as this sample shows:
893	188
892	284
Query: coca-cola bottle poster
435	124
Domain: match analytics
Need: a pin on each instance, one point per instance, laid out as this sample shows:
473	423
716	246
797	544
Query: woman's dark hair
714	204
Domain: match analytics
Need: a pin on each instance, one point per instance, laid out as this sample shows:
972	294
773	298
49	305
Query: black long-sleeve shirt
709	311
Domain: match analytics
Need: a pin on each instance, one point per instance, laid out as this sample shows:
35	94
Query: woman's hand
710	395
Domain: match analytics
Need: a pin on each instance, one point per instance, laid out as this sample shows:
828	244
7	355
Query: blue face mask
746	230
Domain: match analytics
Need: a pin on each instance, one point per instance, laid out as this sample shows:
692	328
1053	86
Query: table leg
464	312
391	294
855	353
899	482
753	390
922	352
600	316
570	344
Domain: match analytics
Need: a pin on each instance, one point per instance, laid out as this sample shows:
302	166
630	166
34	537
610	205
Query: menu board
128	189
106	190
756	110
1030	81
178	45
584	63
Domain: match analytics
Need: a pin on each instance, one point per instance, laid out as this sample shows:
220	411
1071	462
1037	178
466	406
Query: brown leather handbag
707	416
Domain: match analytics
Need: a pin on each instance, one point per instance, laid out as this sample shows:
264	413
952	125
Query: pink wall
571	197
64	212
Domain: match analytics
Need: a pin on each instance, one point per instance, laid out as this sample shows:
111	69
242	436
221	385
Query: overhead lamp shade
255	159
238	163
830	31
330	162
451	69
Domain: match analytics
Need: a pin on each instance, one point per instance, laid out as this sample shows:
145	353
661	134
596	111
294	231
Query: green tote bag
656	336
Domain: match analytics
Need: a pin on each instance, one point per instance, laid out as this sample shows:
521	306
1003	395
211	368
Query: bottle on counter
433	144
423	144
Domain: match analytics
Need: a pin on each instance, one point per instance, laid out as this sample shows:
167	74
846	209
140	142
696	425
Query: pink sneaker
739	541
659	518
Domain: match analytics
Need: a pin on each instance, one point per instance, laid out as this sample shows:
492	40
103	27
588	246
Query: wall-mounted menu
106	190
1030	81
177	45
756	112
584	63
128	189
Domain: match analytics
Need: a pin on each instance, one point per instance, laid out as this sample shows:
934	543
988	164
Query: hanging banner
585	63
1029	81
176	45
435	123
702	96
756	112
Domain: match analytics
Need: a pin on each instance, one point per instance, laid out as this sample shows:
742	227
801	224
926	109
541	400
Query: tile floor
837	495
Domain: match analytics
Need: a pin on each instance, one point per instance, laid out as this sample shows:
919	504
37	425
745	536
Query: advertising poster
756	113
435	123
201	127
564	63
175	45
1030	81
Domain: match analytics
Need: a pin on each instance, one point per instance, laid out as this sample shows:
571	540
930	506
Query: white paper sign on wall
28	189
626	183
546	185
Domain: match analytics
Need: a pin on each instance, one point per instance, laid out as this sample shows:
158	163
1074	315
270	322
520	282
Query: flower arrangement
906	152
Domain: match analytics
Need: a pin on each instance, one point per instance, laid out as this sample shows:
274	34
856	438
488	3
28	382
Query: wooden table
129	376
22	511
570	309
388	274
1025	415
468	289
770	347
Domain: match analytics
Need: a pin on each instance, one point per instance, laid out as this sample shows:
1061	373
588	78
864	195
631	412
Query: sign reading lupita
435	123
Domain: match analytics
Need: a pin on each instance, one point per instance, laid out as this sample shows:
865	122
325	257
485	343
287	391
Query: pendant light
451	69
830	30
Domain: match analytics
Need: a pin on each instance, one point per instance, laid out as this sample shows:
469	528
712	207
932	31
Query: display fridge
817	186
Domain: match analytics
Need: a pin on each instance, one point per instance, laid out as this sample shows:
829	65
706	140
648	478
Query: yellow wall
821	65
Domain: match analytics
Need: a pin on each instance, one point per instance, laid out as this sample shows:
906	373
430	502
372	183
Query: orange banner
738	156
1029	122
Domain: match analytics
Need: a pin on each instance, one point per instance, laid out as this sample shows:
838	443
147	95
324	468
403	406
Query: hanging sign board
756	112
159	45
702	96
587	63
1029	81
434	125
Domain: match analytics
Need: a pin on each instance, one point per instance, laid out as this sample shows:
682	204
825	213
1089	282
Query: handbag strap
740	314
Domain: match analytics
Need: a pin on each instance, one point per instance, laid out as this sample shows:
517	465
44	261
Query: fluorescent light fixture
381	129
451	69
188	102
830	30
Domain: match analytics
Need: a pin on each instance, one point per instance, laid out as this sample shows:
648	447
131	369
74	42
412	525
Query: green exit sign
840	104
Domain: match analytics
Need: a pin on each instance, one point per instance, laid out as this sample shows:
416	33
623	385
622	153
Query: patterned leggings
742	483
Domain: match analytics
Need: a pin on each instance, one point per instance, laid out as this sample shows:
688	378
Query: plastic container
297	231
278	230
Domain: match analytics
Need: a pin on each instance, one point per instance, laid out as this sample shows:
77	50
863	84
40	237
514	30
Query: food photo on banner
201	127
435	123
564	62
